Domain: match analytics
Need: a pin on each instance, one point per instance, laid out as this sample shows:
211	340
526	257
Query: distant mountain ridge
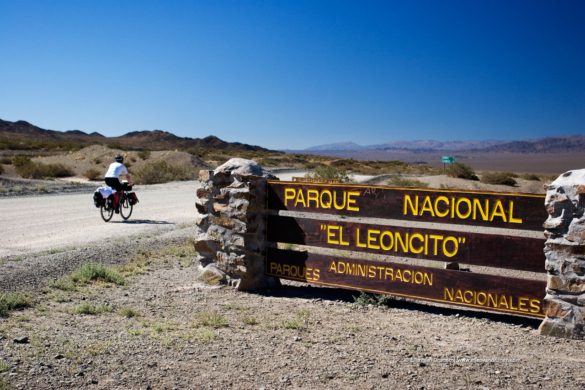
574	143
25	134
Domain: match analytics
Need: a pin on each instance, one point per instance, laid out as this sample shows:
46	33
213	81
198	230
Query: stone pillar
232	225
565	257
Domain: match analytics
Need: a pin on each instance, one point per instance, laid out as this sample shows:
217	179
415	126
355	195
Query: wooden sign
509	252
492	209
487	292
484	292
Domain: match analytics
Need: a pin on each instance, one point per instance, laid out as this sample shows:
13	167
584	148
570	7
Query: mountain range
575	143
24	135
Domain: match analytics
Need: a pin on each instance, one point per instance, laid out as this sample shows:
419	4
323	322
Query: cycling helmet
119	158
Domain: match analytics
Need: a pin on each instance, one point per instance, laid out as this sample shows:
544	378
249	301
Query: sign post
447	160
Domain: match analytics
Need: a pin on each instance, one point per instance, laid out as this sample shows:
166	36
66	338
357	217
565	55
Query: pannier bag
132	198
98	200
100	195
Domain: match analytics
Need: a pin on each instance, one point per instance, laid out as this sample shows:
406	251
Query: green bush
93	174
461	171
162	172
327	172
91	272
6	160
504	178
34	170
13	301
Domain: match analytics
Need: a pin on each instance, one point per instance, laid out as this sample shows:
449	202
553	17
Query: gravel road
51	222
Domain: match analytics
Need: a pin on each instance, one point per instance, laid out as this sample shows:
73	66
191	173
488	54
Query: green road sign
447	159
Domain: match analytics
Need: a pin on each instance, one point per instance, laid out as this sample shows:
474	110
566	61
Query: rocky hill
22	135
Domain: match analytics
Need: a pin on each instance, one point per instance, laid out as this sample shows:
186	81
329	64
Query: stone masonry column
232	225
565	257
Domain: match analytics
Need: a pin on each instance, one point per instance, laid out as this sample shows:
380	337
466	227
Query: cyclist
115	170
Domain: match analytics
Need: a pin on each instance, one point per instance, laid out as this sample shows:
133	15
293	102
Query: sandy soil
163	329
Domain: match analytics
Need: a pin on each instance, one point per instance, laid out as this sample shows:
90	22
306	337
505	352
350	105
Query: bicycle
125	207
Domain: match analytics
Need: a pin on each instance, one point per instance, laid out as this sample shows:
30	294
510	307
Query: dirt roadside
163	329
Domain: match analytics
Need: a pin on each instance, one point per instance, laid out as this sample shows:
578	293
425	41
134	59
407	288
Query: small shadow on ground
335	294
145	222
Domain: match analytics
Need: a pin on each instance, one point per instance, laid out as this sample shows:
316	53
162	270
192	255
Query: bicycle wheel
106	212
125	207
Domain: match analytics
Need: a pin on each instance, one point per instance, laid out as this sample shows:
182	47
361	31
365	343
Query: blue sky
293	74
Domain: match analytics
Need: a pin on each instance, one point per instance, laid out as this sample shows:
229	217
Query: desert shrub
34	170
162	172
327	172
530	176
19	161
6	160
144	154
461	171
93	174
1	169
504	178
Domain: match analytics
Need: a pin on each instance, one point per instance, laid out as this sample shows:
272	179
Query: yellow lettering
522	304
511	218
503	301
300	199
358	243
333	267
534	306
420	238
325	204
478	207
289	194
387	234
398	275
455	246
459	296
481	298
458	208
343	201
427	206
498	211
331	235
372	235
413	206
445	211
316	274
448	294
351	201
313	196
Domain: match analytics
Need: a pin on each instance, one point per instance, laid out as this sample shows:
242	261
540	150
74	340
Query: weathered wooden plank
507	210
519	253
483	292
